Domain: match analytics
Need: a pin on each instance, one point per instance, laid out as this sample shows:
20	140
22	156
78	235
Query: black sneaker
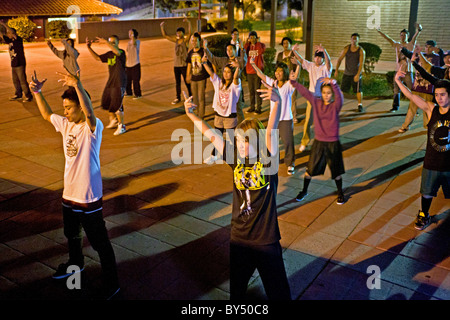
257	111
360	108
15	98
301	195
62	273
27	99
250	110
422	221
340	199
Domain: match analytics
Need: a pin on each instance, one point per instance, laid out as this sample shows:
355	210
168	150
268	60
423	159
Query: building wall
335	21
146	28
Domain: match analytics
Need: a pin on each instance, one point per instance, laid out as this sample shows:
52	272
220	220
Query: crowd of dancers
422	77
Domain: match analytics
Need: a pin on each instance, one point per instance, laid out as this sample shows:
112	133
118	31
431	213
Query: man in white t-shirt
320	68
82	196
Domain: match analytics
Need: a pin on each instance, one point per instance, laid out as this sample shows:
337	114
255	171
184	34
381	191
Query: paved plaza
170	224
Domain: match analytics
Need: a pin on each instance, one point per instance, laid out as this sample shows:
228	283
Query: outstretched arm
36	86
258	71
164	34
421	103
272	94
85	101
203	126
93	53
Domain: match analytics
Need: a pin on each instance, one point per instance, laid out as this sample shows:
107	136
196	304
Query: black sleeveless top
437	156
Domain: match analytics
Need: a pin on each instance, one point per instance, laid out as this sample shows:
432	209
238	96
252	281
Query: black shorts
323	153
112	99
347	82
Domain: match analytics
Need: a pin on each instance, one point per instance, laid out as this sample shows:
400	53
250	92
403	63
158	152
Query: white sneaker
210	160
120	129
290	170
112	124
302	148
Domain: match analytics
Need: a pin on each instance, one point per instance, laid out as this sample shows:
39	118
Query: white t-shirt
286	92
82	176
133	54
225	101
315	73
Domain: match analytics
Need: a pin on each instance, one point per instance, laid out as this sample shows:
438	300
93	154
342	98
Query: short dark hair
181	29
405	31
442	83
71	94
114	36
234	29
286	38
70	40
253	33
197	35
355	34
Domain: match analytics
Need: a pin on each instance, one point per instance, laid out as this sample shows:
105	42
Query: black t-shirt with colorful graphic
254	215
116	67
16	52
437	155
198	73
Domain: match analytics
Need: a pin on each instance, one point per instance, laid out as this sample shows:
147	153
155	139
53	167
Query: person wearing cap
254	49
354	56
398	45
421	87
320	68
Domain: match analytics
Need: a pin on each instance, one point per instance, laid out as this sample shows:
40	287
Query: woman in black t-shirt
255	233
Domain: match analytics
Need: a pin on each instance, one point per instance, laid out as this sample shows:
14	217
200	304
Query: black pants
91	220
20	82
269	262
133	79
181	71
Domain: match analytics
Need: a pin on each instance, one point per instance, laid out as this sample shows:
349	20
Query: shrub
293	28
217	44
220	24
24	27
58	29
373	53
244	25
269	62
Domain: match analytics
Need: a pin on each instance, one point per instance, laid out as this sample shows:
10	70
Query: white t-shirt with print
225	101
82	176
286	92
315	73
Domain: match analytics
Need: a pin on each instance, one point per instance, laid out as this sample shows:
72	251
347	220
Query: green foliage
293	28
58	29
24	27
217	44
373	53
220	24
244	25
269	62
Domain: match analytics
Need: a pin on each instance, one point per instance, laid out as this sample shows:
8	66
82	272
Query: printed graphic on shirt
71	146
196	61
112	61
224	97
12	52
248	179
440	135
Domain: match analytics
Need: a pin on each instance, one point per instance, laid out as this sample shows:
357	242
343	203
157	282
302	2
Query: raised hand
400	74
270	93
189	106
35	84
69	79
